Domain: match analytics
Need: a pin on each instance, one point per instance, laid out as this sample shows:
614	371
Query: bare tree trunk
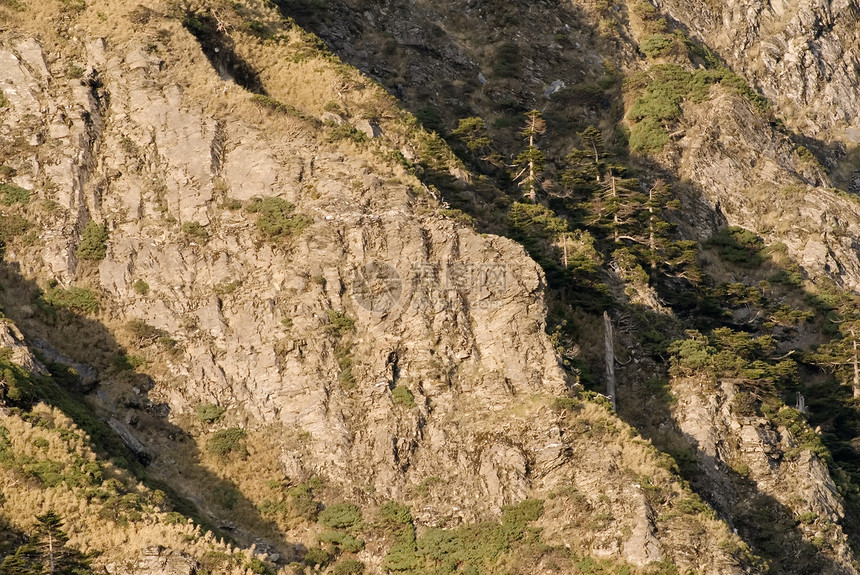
801	403
614	196
652	243
564	239
596	160
51	550
610	358
531	184
856	363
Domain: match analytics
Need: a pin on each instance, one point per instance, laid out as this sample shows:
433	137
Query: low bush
93	244
75	298
12	194
275	219
340	516
348	567
226	442
195	231
209	412
402	396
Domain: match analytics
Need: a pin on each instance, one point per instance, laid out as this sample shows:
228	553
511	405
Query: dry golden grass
60	441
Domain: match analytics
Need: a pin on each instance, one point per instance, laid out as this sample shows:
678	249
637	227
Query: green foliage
195	231
275	219
11	194
403	397
459	216
302	501
341	540
467	549
648	135
346	131
46	551
656	45
348	567
209	412
316	556
428	116
340	516
396	513
267	103
664	87
141	287
93	244
75	298
19	384
340	323
507	61
524	512
530	222
739	246
226	442
473	132
11	227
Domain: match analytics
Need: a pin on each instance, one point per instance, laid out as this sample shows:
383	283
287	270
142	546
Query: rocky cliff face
439	368
800	54
224	232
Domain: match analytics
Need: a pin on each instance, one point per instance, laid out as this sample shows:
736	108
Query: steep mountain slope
237	261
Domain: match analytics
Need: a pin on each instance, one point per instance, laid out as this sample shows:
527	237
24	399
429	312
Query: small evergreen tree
531	161
46	552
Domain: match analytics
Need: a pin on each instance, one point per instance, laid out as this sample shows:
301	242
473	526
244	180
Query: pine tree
46	552
531	161
841	355
50	539
473	132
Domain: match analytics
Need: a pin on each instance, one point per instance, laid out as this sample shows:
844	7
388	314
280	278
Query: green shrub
346	131
209	412
225	442
317	556
507	61
275	219
341	324
656	45
141	287
303	503
75	298
340	516
348	567
257	566
739	246
402	396
649	135
396	513
524	512
341	540
12	194
93	244
195	231
274	105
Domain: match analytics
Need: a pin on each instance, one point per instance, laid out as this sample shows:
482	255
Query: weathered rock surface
750	175
803	55
463	330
